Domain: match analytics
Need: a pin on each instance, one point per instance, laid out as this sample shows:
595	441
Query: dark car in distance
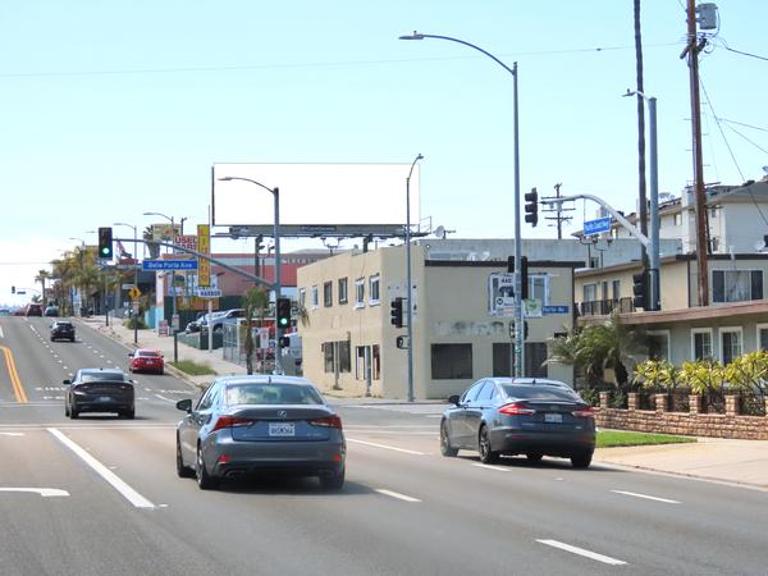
62	330
51	311
531	416
99	390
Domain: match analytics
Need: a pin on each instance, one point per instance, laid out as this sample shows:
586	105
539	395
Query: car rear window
541	392
147	354
64	324
103	376
271	394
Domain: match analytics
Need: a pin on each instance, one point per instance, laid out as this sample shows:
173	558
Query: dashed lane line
582	552
489	467
646	497
110	477
397	495
44	492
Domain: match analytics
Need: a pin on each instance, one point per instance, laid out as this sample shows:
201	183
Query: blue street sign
152	265
563	309
597	226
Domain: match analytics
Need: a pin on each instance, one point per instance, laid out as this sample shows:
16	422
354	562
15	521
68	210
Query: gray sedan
535	417
244	425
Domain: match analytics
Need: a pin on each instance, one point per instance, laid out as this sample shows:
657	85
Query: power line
741	52
744	124
755	144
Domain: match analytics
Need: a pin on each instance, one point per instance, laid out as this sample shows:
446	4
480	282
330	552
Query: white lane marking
164	399
646	497
582	552
385	447
110	477
397	495
489	467
2	334
11	433
44	492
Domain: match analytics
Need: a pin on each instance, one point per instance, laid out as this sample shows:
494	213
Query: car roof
115	371
531	382
235	380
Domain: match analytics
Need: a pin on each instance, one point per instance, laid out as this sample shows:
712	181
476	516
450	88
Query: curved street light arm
419	36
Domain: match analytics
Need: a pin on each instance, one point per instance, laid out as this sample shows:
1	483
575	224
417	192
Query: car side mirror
184	405
67	382
454	399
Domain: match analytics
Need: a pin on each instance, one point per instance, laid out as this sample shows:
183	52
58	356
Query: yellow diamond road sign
134	293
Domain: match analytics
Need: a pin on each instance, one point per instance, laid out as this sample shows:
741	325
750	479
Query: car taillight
227	421
516	409
584	412
327	421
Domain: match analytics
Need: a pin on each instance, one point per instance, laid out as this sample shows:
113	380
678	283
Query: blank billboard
315	198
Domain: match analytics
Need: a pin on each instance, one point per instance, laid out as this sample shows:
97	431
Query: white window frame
531	278
343	295
709	331
303	297
584	291
758	327
315	295
729	329
374	279
359	302
668	334
677	219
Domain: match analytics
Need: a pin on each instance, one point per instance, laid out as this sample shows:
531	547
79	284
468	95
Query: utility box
707	18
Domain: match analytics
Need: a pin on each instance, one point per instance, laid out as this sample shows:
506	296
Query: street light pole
173	273
409	289
519	344
654	280
278	267
135	276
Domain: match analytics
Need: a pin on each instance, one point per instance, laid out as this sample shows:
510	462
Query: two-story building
460	333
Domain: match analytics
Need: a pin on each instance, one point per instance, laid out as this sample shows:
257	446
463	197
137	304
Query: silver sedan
244	425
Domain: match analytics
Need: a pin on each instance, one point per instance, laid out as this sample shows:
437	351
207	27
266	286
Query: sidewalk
743	462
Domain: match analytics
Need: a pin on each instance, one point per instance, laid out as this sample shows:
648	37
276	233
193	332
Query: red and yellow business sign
204	247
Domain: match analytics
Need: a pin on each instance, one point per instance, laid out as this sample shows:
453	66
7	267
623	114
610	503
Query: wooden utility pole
642	211
692	49
558	210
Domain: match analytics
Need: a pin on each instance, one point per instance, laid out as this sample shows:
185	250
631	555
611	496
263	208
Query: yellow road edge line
18	389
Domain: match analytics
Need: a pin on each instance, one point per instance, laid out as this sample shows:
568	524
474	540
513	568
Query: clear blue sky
113	108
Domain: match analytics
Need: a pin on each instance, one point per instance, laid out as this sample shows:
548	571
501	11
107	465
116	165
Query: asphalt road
100	496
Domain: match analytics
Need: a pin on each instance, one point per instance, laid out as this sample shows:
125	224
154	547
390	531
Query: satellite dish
440	232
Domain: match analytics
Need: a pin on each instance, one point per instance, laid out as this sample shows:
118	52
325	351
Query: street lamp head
414	36
628	93
419	157
225	179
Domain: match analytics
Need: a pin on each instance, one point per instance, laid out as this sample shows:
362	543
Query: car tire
445	442
182	470
161	372
534	457
129	414
204	480
333	482
582	460
73	413
487	454
66	410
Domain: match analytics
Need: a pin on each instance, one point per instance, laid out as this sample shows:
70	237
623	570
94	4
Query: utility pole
642	211
558	210
692	49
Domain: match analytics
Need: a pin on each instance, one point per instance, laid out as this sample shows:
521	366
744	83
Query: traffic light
639	289
105	243
396	312
283	313
13	289
524	277
532	207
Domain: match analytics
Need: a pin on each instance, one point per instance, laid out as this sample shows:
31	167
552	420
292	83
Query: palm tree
154	249
255	304
42	276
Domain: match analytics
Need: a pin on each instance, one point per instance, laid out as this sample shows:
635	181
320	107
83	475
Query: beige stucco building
460	334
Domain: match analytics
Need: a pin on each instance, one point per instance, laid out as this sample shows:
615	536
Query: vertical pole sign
204	247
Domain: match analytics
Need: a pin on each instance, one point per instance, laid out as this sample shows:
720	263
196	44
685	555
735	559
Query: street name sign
152	265
555	309
208	292
597	226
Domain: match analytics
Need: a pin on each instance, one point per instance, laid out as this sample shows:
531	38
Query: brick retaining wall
693	423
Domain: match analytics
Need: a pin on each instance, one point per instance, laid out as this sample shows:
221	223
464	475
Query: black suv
63	330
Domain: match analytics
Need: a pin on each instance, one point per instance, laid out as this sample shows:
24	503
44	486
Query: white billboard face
320	197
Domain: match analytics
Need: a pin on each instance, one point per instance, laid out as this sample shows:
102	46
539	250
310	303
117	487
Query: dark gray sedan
535	417
244	425
99	390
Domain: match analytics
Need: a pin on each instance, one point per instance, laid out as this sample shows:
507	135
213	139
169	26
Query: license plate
104	399
553	418
282	429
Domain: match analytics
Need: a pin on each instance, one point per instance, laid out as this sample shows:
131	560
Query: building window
337	355
616	289
315	297
537	288
590	292
373	360
303	297
343	291
376	357
535	356
737	285
762	336
730	344
451	361
701	344
359	292
373	289
658	345
328	294
679	219
594	262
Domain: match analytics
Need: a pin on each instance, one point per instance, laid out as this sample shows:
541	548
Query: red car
144	360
